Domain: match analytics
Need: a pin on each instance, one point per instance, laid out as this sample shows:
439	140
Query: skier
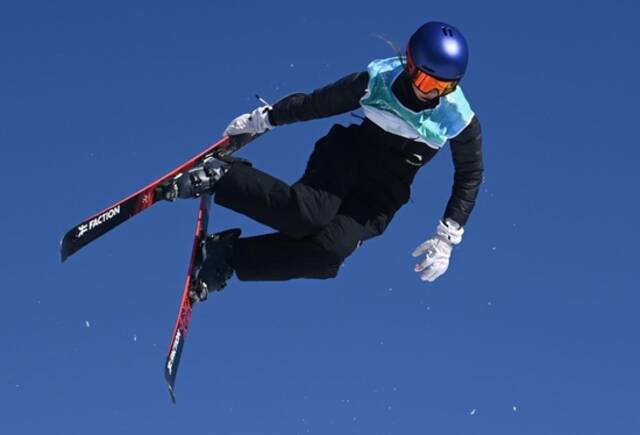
357	176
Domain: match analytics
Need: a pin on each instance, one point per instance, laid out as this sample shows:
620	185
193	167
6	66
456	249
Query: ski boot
216	268
198	180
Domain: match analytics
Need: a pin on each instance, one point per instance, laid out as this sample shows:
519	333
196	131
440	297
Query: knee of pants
304	225
335	255
313	209
302	228
327	271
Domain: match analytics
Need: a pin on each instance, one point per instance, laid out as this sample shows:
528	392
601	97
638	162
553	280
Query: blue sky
533	330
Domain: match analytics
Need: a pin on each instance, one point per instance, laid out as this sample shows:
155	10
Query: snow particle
291	65
515	408
135	337
87	324
473	412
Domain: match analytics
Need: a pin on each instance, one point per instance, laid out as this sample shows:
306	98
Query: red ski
109	218
186	305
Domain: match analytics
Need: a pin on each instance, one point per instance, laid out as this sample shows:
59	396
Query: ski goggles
425	82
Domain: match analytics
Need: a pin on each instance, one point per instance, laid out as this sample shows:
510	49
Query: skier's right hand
255	122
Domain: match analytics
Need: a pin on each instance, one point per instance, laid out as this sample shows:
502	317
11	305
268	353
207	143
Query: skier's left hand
255	122
438	250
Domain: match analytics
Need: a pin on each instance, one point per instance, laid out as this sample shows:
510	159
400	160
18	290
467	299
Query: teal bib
432	126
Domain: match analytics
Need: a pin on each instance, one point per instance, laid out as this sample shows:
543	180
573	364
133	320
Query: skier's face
425	96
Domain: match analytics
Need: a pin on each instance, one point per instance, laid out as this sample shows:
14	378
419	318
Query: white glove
255	122
438	250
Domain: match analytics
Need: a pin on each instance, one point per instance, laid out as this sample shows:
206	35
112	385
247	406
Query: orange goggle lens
426	83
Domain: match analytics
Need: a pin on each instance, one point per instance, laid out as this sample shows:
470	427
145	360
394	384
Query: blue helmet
439	50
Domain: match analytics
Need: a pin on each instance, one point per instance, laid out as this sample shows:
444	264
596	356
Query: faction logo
97	221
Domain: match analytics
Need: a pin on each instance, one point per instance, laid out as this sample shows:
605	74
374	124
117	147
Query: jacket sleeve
466	150
336	98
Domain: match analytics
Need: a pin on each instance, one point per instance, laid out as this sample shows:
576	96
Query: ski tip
170	380
172	393
67	247
64	250
70	243
64	253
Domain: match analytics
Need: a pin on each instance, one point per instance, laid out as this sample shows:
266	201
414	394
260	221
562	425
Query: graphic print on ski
186	306
109	218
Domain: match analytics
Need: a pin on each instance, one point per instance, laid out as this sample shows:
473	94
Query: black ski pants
319	220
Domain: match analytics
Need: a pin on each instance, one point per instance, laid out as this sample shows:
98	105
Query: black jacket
344	96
